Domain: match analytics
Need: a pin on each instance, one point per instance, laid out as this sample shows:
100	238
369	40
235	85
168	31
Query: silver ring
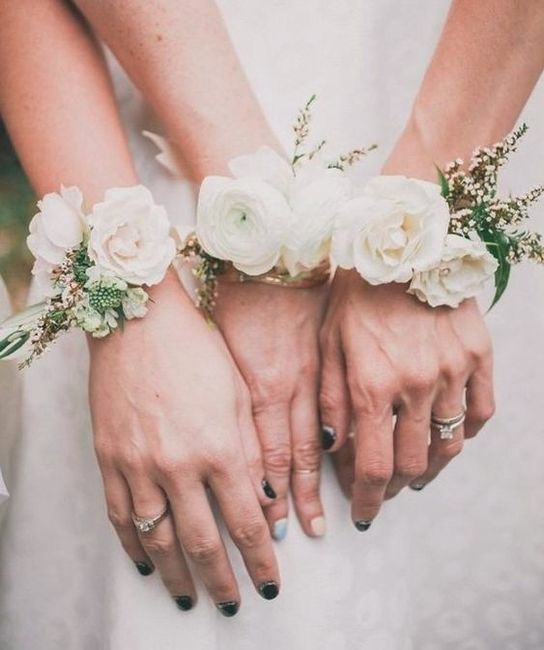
147	524
304	471
446	426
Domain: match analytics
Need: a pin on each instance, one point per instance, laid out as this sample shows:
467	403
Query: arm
146	416
211	115
399	353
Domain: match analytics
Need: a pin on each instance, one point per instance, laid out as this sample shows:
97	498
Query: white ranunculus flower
130	236
465	268
395	226
57	227
242	220
316	196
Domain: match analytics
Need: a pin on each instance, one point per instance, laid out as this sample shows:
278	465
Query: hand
172	417
272	333
385	353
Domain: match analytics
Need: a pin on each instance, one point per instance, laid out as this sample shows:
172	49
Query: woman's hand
385	353
171	417
272	333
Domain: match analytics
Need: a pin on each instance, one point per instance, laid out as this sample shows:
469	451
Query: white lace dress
458	566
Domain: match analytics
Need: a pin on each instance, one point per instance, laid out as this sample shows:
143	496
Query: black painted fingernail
328	437
184	603
269	590
143	568
268	489
417	487
363	525
228	608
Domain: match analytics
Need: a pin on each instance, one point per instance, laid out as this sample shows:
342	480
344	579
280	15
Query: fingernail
328	437
417	487
318	526
362	525
279	529
269	590
268	489
229	608
184	603
143	568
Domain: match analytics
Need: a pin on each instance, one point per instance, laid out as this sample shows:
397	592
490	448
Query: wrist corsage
446	240
272	220
91	267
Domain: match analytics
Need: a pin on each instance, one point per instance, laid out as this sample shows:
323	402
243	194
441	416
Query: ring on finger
446	426
304	471
147	524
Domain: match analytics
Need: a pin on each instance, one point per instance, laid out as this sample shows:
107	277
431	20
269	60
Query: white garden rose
394	227
465	268
57	227
242	220
130	236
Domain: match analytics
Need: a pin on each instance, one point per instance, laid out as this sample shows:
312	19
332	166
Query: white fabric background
458	566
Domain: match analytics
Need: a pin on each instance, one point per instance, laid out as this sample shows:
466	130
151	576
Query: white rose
130	236
393	228
242	220
316	196
465	268
57	227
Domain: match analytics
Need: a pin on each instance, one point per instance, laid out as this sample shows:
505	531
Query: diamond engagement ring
446	426
145	524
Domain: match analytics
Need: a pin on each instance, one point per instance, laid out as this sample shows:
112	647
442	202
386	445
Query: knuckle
278	459
203	550
453	370
451	450
376	473
170	467
330	401
307	455
420	381
268	388
120	520
410	468
158	546
250	534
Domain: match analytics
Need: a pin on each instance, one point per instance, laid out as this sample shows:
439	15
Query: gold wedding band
279	278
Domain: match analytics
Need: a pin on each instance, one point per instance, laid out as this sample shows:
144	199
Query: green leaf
443	182
498	244
12	343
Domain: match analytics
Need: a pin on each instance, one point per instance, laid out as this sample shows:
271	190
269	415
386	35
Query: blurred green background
17	205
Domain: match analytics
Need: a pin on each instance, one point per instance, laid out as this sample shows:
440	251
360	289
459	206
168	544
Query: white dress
458	566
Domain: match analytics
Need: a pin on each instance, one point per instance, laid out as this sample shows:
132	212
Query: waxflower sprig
90	266
446	240
272	219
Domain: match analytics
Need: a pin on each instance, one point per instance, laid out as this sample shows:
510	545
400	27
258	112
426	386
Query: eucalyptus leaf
443	182
498	244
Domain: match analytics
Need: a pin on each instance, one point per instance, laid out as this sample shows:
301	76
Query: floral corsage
91	267
446	240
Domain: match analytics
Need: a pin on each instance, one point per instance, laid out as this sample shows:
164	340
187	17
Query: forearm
180	56
487	62
57	102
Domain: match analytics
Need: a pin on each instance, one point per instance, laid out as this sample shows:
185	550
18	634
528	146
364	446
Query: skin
155	42
157	435
383	351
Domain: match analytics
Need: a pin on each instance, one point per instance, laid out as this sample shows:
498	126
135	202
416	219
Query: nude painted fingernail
318	526
279	529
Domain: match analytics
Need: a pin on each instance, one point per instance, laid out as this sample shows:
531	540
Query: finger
306	473
274	432
448	403
344	464
410	444
373	463
197	531
480	399
247	527
161	543
119	505
264	488
334	402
